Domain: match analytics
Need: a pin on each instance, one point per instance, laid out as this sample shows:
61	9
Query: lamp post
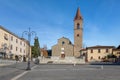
29	33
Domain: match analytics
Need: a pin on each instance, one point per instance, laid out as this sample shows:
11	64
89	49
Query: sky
53	19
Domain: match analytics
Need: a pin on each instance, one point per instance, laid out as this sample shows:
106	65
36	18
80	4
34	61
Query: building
78	33
97	53
116	51
11	45
63	48
44	52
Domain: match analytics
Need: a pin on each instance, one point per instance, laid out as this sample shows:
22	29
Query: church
64	47
66	50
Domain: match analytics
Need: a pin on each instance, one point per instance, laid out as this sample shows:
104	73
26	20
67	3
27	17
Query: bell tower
78	33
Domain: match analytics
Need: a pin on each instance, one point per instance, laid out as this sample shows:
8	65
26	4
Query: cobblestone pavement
72	72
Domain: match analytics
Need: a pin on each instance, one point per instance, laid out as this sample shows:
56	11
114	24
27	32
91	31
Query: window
24	44
106	50
77	35
5	36
70	43
63	42
16	40
99	57
20	42
91	57
91	50
11	38
16	48
20	50
11	47
99	51
78	26
24	51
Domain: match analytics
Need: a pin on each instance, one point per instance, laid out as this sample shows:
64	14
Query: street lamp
29	33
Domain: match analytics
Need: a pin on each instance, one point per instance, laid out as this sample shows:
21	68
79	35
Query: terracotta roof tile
98	46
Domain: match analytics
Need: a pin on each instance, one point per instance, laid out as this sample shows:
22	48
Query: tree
36	48
111	56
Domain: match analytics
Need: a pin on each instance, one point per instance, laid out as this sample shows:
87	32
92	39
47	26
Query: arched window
77	35
78	26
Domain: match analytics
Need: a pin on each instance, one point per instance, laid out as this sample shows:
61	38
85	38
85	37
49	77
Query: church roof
78	15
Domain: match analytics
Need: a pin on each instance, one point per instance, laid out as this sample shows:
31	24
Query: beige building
12	45
63	48
116	51
97	53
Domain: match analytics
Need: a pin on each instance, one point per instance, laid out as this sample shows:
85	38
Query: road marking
20	75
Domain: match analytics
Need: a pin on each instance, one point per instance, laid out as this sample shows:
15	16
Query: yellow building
97	53
11	45
116	51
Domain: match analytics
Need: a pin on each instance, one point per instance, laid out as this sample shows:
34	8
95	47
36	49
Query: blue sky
53	19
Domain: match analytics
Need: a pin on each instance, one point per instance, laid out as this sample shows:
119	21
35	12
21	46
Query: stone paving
73	72
7	72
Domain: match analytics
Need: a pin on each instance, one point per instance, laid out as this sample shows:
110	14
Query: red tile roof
100	47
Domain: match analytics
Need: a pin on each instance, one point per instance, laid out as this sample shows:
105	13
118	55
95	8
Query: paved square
71	72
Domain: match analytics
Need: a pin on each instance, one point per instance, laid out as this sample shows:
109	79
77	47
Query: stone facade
63	48
78	33
69	49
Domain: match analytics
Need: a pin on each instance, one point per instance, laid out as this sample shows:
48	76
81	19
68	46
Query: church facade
64	47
